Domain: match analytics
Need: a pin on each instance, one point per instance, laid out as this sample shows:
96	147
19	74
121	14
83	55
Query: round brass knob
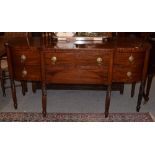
23	58
54	59
99	60
131	58
129	74
24	73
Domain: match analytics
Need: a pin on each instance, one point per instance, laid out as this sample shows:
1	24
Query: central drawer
81	67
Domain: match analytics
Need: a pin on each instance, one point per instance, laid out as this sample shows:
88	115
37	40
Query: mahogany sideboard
123	60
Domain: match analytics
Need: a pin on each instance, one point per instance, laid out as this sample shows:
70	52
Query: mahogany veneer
121	61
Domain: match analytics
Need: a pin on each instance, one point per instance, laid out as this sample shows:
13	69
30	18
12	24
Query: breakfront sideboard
121	60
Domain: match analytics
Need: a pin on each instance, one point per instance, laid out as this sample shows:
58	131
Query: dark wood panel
78	75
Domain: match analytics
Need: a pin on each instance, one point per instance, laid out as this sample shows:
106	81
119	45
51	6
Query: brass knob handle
131	58
129	74
99	60
54	59
23	58
24	73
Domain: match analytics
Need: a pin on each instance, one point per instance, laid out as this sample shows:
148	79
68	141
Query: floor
76	101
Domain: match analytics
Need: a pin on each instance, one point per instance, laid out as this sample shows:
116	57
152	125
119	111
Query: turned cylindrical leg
107	101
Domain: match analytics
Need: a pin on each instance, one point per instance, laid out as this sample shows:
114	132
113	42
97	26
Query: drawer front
60	58
30	73
93	58
129	59
80	58
76	75
127	74
26	57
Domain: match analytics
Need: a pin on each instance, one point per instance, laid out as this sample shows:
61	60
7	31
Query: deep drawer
78	75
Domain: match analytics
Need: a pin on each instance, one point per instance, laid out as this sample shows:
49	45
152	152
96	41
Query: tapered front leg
3	82
122	89
107	101
140	96
44	100
13	90
33	87
23	88
133	89
25	85
149	82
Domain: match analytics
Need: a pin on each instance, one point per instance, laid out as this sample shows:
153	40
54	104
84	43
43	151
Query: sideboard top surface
119	43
